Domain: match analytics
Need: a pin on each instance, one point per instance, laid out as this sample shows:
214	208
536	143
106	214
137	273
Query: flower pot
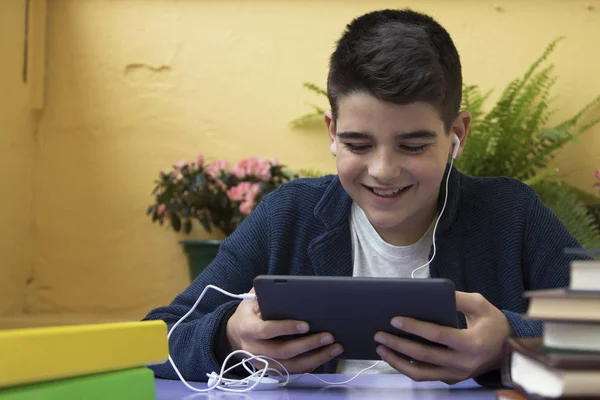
199	253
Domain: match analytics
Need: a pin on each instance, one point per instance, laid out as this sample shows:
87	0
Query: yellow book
49	353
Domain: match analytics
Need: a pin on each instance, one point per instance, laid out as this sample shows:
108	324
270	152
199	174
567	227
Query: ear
330	124
460	128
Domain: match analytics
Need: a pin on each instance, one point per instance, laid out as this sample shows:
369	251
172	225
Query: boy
394	87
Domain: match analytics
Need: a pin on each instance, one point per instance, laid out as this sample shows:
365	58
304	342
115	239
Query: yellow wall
133	86
16	162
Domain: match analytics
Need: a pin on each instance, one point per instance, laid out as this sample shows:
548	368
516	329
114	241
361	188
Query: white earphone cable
241	385
412	275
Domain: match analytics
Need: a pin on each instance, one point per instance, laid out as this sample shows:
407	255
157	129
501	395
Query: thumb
471	304
254	304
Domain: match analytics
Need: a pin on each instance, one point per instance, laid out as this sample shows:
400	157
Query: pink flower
180	164
597	184
243	168
245	193
242	191
264	173
598	174
246	207
250	201
200	160
237	193
239	171
253	166
216	168
160	210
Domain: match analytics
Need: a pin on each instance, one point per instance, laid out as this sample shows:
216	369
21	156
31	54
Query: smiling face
391	160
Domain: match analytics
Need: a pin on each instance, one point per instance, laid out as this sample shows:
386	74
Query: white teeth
387	192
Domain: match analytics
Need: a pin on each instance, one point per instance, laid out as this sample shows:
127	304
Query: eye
415	149
357	148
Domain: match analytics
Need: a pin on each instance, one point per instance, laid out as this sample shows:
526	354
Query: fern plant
513	139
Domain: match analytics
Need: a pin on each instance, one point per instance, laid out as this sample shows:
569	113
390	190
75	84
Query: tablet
353	309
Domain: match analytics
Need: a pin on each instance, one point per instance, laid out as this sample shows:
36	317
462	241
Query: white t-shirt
373	257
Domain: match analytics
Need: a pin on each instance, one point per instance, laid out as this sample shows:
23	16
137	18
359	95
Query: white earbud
249	383
212	381
456	146
264	383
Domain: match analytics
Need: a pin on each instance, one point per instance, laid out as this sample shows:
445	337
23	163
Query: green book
131	384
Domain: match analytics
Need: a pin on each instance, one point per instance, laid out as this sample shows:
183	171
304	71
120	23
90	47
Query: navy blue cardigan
496	237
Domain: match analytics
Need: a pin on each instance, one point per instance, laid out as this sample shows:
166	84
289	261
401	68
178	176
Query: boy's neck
411	230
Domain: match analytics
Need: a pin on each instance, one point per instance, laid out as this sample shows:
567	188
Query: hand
247	331
470	351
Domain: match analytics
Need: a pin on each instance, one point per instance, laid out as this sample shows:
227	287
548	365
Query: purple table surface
364	387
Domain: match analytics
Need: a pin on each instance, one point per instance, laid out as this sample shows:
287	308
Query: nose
383	168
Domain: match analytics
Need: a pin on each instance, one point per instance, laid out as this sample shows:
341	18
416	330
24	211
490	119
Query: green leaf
315	88
541	176
554	134
309	118
205	222
175	222
306	118
587	126
150	209
200	180
318	110
187	226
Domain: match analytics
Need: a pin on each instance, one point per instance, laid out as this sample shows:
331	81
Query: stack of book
97	361
565	362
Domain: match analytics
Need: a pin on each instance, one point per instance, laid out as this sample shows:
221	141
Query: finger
434	355
416	371
256	309
292	348
471	304
310	361
255	328
288	349
454	338
249	306
261	330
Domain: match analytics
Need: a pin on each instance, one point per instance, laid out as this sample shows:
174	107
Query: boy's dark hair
398	56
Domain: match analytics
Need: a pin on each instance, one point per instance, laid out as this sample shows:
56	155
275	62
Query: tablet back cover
353	309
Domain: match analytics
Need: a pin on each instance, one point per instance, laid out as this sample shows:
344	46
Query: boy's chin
382	220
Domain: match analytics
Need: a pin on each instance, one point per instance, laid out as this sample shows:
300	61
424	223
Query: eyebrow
418	134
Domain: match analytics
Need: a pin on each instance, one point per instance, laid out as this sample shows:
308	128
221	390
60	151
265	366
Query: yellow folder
49	353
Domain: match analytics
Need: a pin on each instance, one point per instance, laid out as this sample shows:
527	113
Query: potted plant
217	195
514	139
